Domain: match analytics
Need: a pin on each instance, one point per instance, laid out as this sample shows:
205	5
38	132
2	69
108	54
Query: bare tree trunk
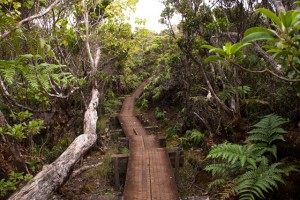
54	175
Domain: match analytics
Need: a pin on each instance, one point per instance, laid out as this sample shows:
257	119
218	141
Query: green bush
25	127
174	130
160	115
12	183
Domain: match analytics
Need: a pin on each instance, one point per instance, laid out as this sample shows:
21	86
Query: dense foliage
209	77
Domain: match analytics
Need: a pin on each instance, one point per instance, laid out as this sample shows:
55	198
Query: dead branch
84	168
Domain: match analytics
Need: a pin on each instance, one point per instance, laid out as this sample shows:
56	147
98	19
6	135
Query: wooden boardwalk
149	174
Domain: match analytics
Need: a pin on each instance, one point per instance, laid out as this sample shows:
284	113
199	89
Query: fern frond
216	183
266	132
8	70
218	168
270	121
28	73
259	181
232	153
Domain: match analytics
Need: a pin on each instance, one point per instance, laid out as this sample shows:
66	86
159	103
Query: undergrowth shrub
160	115
12	182
191	138
174	130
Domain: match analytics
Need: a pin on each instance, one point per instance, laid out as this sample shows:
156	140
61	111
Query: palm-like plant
227	51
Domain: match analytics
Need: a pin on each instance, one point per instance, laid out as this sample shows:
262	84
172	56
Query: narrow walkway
149	173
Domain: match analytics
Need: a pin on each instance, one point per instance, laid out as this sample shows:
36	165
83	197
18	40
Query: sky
150	10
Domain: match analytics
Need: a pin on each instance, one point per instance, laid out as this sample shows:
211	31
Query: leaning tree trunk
54	175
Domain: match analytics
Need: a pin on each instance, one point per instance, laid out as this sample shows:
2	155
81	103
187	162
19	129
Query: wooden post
116	172
162	141
177	162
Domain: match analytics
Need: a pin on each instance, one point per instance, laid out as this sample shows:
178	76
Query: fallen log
46	182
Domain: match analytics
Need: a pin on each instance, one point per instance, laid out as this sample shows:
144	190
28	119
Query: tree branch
266	70
267	57
30	18
82	169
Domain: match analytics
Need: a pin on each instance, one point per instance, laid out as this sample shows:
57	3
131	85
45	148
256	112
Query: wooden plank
149	170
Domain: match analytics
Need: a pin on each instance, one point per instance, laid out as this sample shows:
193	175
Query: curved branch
266	70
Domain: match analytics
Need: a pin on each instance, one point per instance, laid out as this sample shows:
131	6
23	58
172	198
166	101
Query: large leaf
287	18
257	36
238	46
296	18
227	48
213	59
218	50
259	29
208	46
270	15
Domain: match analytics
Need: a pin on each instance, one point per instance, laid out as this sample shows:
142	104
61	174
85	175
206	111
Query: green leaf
213	59
287	18
227	48
270	15
257	36
218	50
238	46
259	29
208	47
297	3
295	21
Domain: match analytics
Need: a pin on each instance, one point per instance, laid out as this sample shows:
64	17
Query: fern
266	132
216	182
257	182
218	168
243	170
233	153
7	71
35	80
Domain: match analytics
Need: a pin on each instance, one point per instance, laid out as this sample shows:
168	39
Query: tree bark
279	6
